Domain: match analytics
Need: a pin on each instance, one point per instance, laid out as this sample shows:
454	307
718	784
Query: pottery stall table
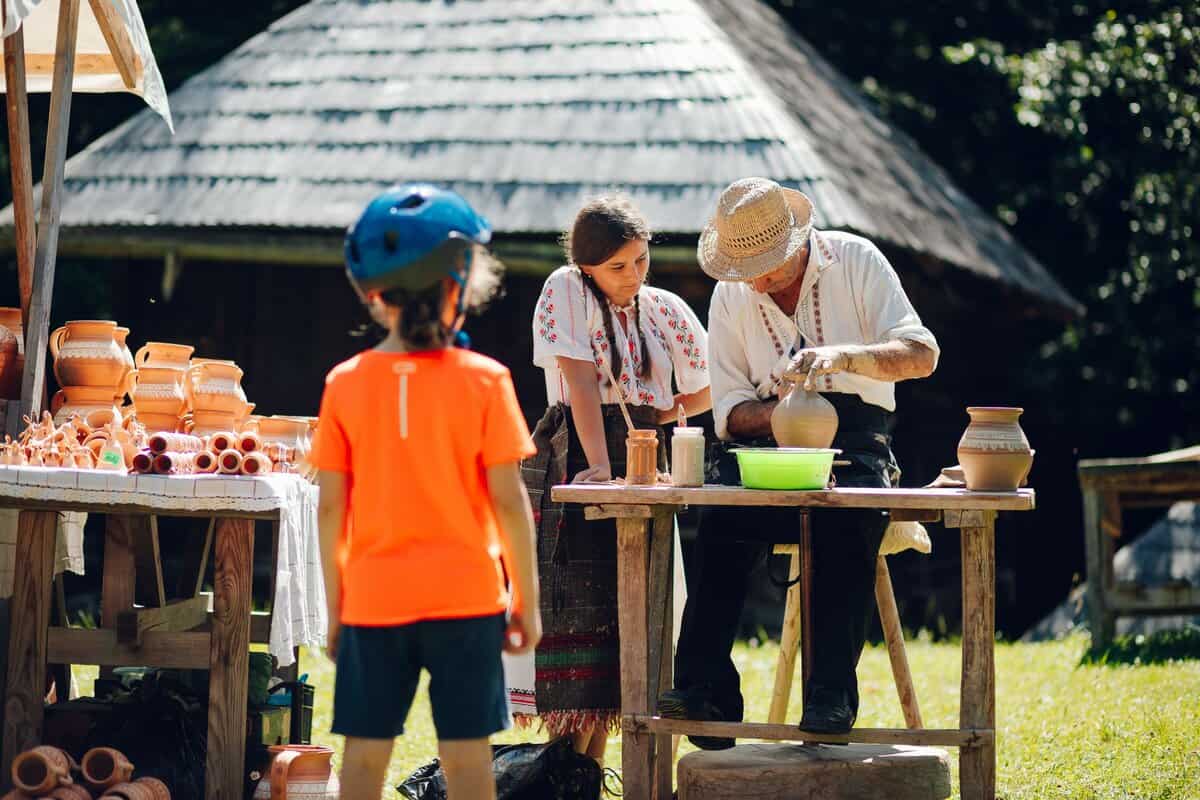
644	517
166	636
1110	486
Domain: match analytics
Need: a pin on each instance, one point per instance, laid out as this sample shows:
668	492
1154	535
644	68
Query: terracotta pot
161	391
256	463
229	462
141	789
41	770
221	441
143	463
170	463
86	353
206	462
206	423
994	453
293	432
178	442
164	355
103	767
72	792
249	442
93	404
299	772
804	419
129	381
217	386
12	353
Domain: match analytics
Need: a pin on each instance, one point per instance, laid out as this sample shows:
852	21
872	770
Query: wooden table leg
659	633
977	765
1098	546
893	636
789	644
33	572
637	750
229	660
807	658
118	578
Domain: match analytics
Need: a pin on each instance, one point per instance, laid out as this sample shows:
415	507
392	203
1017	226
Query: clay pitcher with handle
41	770
299	772
86	353
103	767
804	419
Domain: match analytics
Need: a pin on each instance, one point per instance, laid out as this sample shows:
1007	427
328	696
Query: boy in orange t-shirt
422	506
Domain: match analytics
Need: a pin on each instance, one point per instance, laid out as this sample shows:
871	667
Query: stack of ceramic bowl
161	395
95	369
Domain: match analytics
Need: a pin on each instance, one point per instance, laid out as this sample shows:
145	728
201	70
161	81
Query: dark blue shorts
378	669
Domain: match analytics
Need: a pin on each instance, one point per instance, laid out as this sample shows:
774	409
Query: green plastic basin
785	467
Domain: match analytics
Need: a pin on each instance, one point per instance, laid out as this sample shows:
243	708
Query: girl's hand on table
601	473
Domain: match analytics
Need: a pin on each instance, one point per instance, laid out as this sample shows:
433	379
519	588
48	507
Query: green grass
1068	728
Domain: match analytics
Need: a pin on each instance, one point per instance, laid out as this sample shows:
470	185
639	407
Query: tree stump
816	772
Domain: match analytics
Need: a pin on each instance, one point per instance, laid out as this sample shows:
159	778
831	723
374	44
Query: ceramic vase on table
94	405
299	772
216	386
87	353
161	395
993	452
804	419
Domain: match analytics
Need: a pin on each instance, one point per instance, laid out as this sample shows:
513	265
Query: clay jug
160	398
164	355
993	451
120	335
217	386
72	792
206	423
93	404
299	772
41	770
86	353
804	419
103	767
12	353
141	789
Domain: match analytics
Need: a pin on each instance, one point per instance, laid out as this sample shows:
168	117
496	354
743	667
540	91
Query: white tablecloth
299	611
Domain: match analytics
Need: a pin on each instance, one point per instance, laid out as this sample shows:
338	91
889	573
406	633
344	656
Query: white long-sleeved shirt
850	295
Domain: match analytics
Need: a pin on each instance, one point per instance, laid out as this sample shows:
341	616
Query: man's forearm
891	361
750	419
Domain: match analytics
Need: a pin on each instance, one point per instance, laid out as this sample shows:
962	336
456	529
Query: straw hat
758	226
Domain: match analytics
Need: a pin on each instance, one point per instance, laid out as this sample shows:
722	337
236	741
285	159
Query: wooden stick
620	394
977	709
229	661
640	724
25	232
893	635
789	641
116	35
807	651
38	323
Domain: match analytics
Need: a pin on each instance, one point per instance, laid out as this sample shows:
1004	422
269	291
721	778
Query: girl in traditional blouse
598	312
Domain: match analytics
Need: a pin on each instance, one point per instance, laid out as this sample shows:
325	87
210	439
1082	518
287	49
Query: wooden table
644	517
1109	487
223	649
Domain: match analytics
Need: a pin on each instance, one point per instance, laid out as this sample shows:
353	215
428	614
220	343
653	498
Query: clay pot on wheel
41	770
804	419
994	453
299	772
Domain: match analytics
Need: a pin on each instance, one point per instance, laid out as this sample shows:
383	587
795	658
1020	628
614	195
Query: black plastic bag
551	771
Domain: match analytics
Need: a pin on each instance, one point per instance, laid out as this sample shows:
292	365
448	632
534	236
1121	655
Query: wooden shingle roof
527	108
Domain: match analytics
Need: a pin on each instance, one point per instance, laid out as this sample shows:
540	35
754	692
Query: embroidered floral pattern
684	337
816	306
545	317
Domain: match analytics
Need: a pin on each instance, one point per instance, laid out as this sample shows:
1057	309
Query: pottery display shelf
645	526
181	634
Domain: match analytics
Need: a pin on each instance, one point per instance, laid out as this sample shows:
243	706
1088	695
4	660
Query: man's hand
332	637
812	362
523	633
601	473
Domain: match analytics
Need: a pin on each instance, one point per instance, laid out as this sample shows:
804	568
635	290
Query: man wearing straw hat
794	305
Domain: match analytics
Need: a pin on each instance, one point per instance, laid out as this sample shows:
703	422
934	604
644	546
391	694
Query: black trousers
730	544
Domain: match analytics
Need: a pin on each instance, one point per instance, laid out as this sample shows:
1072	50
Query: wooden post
789	642
32	591
37	324
659	632
116	36
893	635
977	765
229	661
632	556
119	575
1098	548
21	167
806	610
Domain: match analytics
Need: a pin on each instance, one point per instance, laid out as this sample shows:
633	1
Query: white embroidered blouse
569	322
850	295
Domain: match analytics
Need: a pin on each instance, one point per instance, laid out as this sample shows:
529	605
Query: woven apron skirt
577	668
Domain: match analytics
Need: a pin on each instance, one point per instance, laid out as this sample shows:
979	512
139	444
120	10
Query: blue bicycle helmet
410	237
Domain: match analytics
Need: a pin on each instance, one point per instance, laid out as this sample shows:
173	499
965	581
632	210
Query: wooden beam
85	64
633	553
638	724
229	660
123	509
893	636
1154	600
116	35
150	587
162	649
789	639
977	709
37	325
174	617
1128	475
968	519
616	512
915	515
21	167
959	499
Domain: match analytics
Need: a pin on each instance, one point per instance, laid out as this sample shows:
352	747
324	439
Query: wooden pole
893	635
17	106
789	643
977	765
807	653
37	324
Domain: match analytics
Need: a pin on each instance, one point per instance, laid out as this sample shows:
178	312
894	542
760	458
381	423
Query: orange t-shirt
415	433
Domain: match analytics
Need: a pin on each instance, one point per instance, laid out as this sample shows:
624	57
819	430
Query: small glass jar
687	457
641	458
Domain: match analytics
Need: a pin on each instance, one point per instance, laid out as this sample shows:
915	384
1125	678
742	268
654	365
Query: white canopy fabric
96	67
